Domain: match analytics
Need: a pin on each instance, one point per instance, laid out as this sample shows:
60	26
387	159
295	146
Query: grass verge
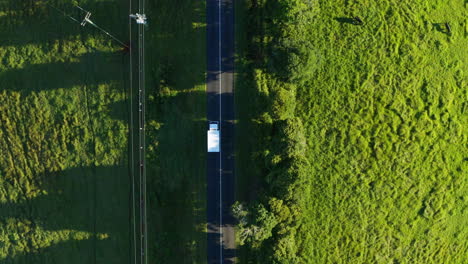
177	131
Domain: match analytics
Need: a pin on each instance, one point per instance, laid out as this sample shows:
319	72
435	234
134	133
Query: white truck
213	137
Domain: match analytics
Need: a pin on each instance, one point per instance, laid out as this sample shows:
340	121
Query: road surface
220	107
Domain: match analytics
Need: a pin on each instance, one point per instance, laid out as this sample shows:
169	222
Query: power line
105	32
142	145
87	20
132	160
65	14
140	19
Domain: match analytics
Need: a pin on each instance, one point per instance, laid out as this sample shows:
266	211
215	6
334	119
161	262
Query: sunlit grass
386	117
63	141
15	236
386	113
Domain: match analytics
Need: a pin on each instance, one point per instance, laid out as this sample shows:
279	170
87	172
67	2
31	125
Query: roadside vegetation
352	140
176	127
64	194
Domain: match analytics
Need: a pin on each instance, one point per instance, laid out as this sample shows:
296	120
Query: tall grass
176	129
63	137
384	112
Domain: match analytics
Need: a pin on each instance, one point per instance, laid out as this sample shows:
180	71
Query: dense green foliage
176	127
354	135
63	136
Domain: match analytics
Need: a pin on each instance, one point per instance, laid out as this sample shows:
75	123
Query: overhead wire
132	138
141	119
144	140
131	116
88	21
141	99
61	11
107	33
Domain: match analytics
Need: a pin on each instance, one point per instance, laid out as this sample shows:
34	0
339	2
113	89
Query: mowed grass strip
176	131
63	136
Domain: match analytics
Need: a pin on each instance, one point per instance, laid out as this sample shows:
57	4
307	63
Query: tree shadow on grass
177	132
118	110
66	252
90	69
175	59
176	174
176	165
94	200
39	22
87	199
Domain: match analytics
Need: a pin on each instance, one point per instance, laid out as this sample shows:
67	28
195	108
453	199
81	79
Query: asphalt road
220	100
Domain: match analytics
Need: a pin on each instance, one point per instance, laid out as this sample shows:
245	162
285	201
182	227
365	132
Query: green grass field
64	194
387	116
64	184
177	131
384	107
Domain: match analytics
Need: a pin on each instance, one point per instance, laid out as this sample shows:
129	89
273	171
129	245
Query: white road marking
220	162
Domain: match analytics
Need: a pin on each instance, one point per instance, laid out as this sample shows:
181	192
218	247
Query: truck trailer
213	137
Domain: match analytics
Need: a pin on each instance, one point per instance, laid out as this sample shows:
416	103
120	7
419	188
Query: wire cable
107	33
132	137
82	9
61	11
88	21
131	129
142	143
141	121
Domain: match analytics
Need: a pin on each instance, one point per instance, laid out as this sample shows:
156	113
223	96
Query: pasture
64	185
384	110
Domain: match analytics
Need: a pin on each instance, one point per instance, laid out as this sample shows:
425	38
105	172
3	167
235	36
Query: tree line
277	59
